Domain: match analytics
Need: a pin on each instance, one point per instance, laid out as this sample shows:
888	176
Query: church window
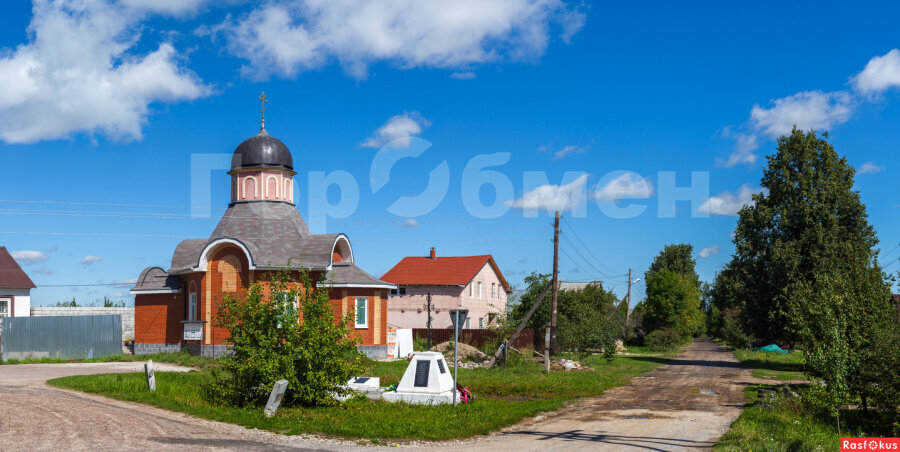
362	312
192	306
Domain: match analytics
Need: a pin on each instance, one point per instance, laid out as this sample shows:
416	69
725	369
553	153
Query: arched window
288	190
249	185
271	187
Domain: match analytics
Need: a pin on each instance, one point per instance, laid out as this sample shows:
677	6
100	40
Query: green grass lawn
773	366
505	396
788	424
182	358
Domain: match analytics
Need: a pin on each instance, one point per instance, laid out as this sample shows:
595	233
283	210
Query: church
260	231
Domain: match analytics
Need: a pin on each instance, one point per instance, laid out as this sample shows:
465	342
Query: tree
802	227
672	302
283	327
586	319
805	272
677	258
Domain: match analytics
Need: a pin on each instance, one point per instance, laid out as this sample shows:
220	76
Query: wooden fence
473	337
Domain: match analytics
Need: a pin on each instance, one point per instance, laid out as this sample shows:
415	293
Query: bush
733	335
664	340
270	342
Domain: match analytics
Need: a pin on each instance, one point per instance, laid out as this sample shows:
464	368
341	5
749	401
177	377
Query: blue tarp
772	348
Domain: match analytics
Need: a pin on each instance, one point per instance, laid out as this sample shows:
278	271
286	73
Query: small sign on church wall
193	332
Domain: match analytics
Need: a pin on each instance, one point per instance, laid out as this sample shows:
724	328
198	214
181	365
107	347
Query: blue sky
103	104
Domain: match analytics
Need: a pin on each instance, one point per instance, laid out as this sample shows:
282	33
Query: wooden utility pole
628	305
428	323
555	287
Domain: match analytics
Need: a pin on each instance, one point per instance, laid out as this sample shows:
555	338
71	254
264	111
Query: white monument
427	380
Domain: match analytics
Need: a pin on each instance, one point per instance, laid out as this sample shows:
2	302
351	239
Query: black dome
262	151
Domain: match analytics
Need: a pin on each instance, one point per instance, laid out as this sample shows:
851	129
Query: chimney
432	256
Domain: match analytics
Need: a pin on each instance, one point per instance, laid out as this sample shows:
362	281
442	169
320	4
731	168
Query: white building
15	287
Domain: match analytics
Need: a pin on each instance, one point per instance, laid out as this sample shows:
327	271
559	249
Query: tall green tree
802	227
677	258
672	302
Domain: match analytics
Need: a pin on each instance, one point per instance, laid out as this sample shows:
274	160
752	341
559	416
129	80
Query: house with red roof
15	287
456	282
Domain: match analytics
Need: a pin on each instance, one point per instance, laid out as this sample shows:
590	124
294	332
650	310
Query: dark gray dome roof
262	151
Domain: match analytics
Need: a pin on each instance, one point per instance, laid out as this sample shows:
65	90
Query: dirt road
686	404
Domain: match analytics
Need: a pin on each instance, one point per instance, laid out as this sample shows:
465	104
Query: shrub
271	342
733	335
664	339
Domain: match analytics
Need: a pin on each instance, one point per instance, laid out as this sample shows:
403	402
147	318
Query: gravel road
686	404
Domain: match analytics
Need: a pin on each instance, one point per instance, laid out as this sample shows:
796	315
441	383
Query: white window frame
192	306
480	292
365	323
471	288
493	291
8	303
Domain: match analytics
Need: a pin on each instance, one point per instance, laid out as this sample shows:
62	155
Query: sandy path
687	404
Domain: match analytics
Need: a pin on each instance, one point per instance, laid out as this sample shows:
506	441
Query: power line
586	248
575	247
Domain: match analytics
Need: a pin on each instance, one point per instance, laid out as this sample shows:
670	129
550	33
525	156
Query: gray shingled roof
276	236
155	278
347	273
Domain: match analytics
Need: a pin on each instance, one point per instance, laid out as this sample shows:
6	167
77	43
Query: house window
467	323
4	307
481	323
401	291
471	288
362	312
479	290
192	306
493	290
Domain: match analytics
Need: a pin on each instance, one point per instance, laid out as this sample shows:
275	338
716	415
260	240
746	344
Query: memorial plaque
422	368
441	365
361	380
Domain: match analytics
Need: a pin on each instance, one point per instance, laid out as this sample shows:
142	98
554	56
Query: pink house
467	282
15	287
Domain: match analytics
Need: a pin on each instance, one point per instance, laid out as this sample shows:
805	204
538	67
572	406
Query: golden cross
262	98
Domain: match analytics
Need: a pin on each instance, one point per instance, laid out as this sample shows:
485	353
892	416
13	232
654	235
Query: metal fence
71	337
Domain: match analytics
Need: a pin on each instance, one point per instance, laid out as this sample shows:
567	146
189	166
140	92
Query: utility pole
628	305
429	320
555	288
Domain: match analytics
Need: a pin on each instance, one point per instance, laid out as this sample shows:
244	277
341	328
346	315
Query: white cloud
568	150
553	197
90	260
28	257
881	73
726	203
286	37
410	223
709	251
165	7
807	109
466	75
626	186
745	144
127	283
79	73
869	168
401	128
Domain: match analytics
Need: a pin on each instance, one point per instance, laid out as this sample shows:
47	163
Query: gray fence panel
64	337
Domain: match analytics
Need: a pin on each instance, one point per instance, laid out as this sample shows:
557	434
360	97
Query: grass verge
182	358
773	366
505	396
789	424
